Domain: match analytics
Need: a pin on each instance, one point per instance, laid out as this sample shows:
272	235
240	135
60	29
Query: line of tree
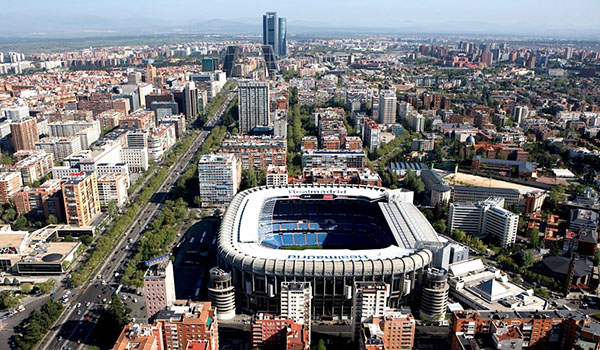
33	329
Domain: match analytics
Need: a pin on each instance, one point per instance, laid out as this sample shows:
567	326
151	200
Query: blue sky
486	16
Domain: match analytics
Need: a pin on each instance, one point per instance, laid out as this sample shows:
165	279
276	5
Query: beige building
10	183
113	187
24	134
82	202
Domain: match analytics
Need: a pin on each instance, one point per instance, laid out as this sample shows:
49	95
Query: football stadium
328	235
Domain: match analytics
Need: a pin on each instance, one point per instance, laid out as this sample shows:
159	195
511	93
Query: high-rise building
221	293
416	121
219	176
112	187
253	97
434	294
18	113
296	302
159	285
369	300
182	324
82	202
282	37
191	99
231	57
520	113
150	73
485	218
269	57
210	64
24	134
371	134
387	107
271	31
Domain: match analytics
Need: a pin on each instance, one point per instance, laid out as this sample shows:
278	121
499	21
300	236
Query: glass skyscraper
275	33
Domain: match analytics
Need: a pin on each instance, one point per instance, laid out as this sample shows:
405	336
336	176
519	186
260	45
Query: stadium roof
410	228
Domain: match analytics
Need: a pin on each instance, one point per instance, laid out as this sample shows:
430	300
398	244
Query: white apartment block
370	299
219	176
113	187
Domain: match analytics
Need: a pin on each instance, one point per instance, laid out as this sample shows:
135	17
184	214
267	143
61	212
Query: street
76	325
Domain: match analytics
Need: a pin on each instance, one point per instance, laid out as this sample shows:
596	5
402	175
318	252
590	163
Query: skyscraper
282	37
191	99
253	97
219	176
387	107
271	31
231	56
275	33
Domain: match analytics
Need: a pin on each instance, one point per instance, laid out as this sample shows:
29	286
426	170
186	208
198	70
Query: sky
570	18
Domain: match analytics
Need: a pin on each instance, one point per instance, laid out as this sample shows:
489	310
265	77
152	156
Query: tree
527	259
534	238
26	288
8	300
321	345
412	182
68	238
86	239
597	258
45	287
460	236
52	220
111	322
198	201
21	221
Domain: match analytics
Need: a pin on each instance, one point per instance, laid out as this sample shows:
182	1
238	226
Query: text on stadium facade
316	191
327	257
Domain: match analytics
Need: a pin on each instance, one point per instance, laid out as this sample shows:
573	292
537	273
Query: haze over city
554	18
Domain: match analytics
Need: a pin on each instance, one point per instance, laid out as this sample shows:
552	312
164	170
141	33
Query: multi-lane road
76	325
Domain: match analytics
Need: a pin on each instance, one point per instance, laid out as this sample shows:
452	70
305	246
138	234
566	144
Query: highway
75	327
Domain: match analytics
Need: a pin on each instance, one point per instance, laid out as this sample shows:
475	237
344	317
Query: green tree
45	287
8	299
321	345
52	220
597	258
527	259
21	221
68	238
86	239
26	288
460	236
111	322
198	201
534	238
412	182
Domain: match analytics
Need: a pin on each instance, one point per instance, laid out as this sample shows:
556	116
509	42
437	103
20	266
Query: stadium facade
329	235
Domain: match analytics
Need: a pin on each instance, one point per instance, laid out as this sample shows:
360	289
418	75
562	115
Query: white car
78	305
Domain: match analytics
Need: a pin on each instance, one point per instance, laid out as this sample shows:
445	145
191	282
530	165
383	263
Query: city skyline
554	18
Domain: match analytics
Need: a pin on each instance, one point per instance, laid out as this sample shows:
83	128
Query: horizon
527	18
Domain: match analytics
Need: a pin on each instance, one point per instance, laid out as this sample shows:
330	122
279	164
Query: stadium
329	235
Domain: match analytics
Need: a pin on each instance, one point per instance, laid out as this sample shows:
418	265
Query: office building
486	218
387	107
369	300
502	167
113	188
159	285
295	304
276	175
434	294
393	330
191	99
17	113
501	225
81	199
520	113
583	219
219	176
221	293
135	158
511	196
273	35
270	58
24	134
210	64
10	183
187	323
258	152
253	99
231	57
271	332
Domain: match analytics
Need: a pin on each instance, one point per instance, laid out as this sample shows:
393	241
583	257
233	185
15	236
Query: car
135	300
104	300
78	312
88	319
88	304
78	305
99	277
99	296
